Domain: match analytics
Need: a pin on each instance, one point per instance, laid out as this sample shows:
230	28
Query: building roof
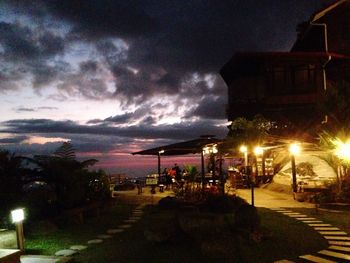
248	62
182	148
319	14
301	55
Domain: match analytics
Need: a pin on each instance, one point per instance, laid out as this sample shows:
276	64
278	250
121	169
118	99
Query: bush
247	217
170	202
223	203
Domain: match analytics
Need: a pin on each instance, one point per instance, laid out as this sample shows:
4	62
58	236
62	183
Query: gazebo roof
182	148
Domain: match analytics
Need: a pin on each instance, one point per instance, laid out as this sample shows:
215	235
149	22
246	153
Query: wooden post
203	170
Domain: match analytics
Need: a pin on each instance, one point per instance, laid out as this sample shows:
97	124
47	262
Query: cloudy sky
115	77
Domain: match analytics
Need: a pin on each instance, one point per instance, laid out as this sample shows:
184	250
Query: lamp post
211	150
203	170
294	150
159	153
243	149
17	218
259	151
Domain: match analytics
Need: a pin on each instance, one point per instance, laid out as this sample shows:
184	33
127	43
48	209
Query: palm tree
65	151
330	142
68	175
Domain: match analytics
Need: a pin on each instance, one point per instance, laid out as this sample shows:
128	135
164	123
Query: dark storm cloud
19	109
132	52
86	82
17	42
82	143
25	109
166	40
211	107
26	51
96	19
47	108
32	149
13	140
88	67
22	43
178	131
123	118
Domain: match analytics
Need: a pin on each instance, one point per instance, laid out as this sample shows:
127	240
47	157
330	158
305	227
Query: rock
156	236
78	247
95	241
65	252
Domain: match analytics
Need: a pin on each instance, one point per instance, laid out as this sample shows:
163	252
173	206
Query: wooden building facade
291	87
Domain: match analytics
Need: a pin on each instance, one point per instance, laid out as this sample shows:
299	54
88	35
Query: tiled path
65	254
339	241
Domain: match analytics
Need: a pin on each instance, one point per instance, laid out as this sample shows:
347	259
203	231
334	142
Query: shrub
223	203
247	217
170	202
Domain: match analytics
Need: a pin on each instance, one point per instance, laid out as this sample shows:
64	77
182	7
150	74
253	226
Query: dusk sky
114	77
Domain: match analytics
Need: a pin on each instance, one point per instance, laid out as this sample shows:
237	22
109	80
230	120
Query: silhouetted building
291	87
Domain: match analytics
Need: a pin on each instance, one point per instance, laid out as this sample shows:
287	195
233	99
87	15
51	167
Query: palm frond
65	151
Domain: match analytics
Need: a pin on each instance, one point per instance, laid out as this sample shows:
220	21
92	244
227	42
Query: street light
258	151
342	149
17	216
243	149
211	150
294	149
159	153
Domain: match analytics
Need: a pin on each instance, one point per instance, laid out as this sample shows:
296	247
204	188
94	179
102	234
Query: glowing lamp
342	149
215	149
294	149
243	149
17	215
161	151
17	218
258	150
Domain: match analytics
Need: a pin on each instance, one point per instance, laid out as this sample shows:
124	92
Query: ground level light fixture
17	217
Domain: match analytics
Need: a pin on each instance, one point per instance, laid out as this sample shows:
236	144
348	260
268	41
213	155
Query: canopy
182	148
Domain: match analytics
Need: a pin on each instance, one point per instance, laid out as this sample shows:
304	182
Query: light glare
258	150
17	215
294	149
342	150
243	149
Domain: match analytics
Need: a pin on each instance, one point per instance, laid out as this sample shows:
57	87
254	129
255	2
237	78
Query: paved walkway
338	240
271	199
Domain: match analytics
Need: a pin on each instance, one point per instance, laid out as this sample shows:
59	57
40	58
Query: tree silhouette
65	151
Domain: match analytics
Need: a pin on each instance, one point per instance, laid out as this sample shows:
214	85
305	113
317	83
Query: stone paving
338	240
339	248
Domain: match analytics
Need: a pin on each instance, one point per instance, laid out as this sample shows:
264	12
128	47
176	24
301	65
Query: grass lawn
46	239
286	238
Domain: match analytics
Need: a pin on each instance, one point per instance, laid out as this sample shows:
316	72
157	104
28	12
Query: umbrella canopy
182	148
